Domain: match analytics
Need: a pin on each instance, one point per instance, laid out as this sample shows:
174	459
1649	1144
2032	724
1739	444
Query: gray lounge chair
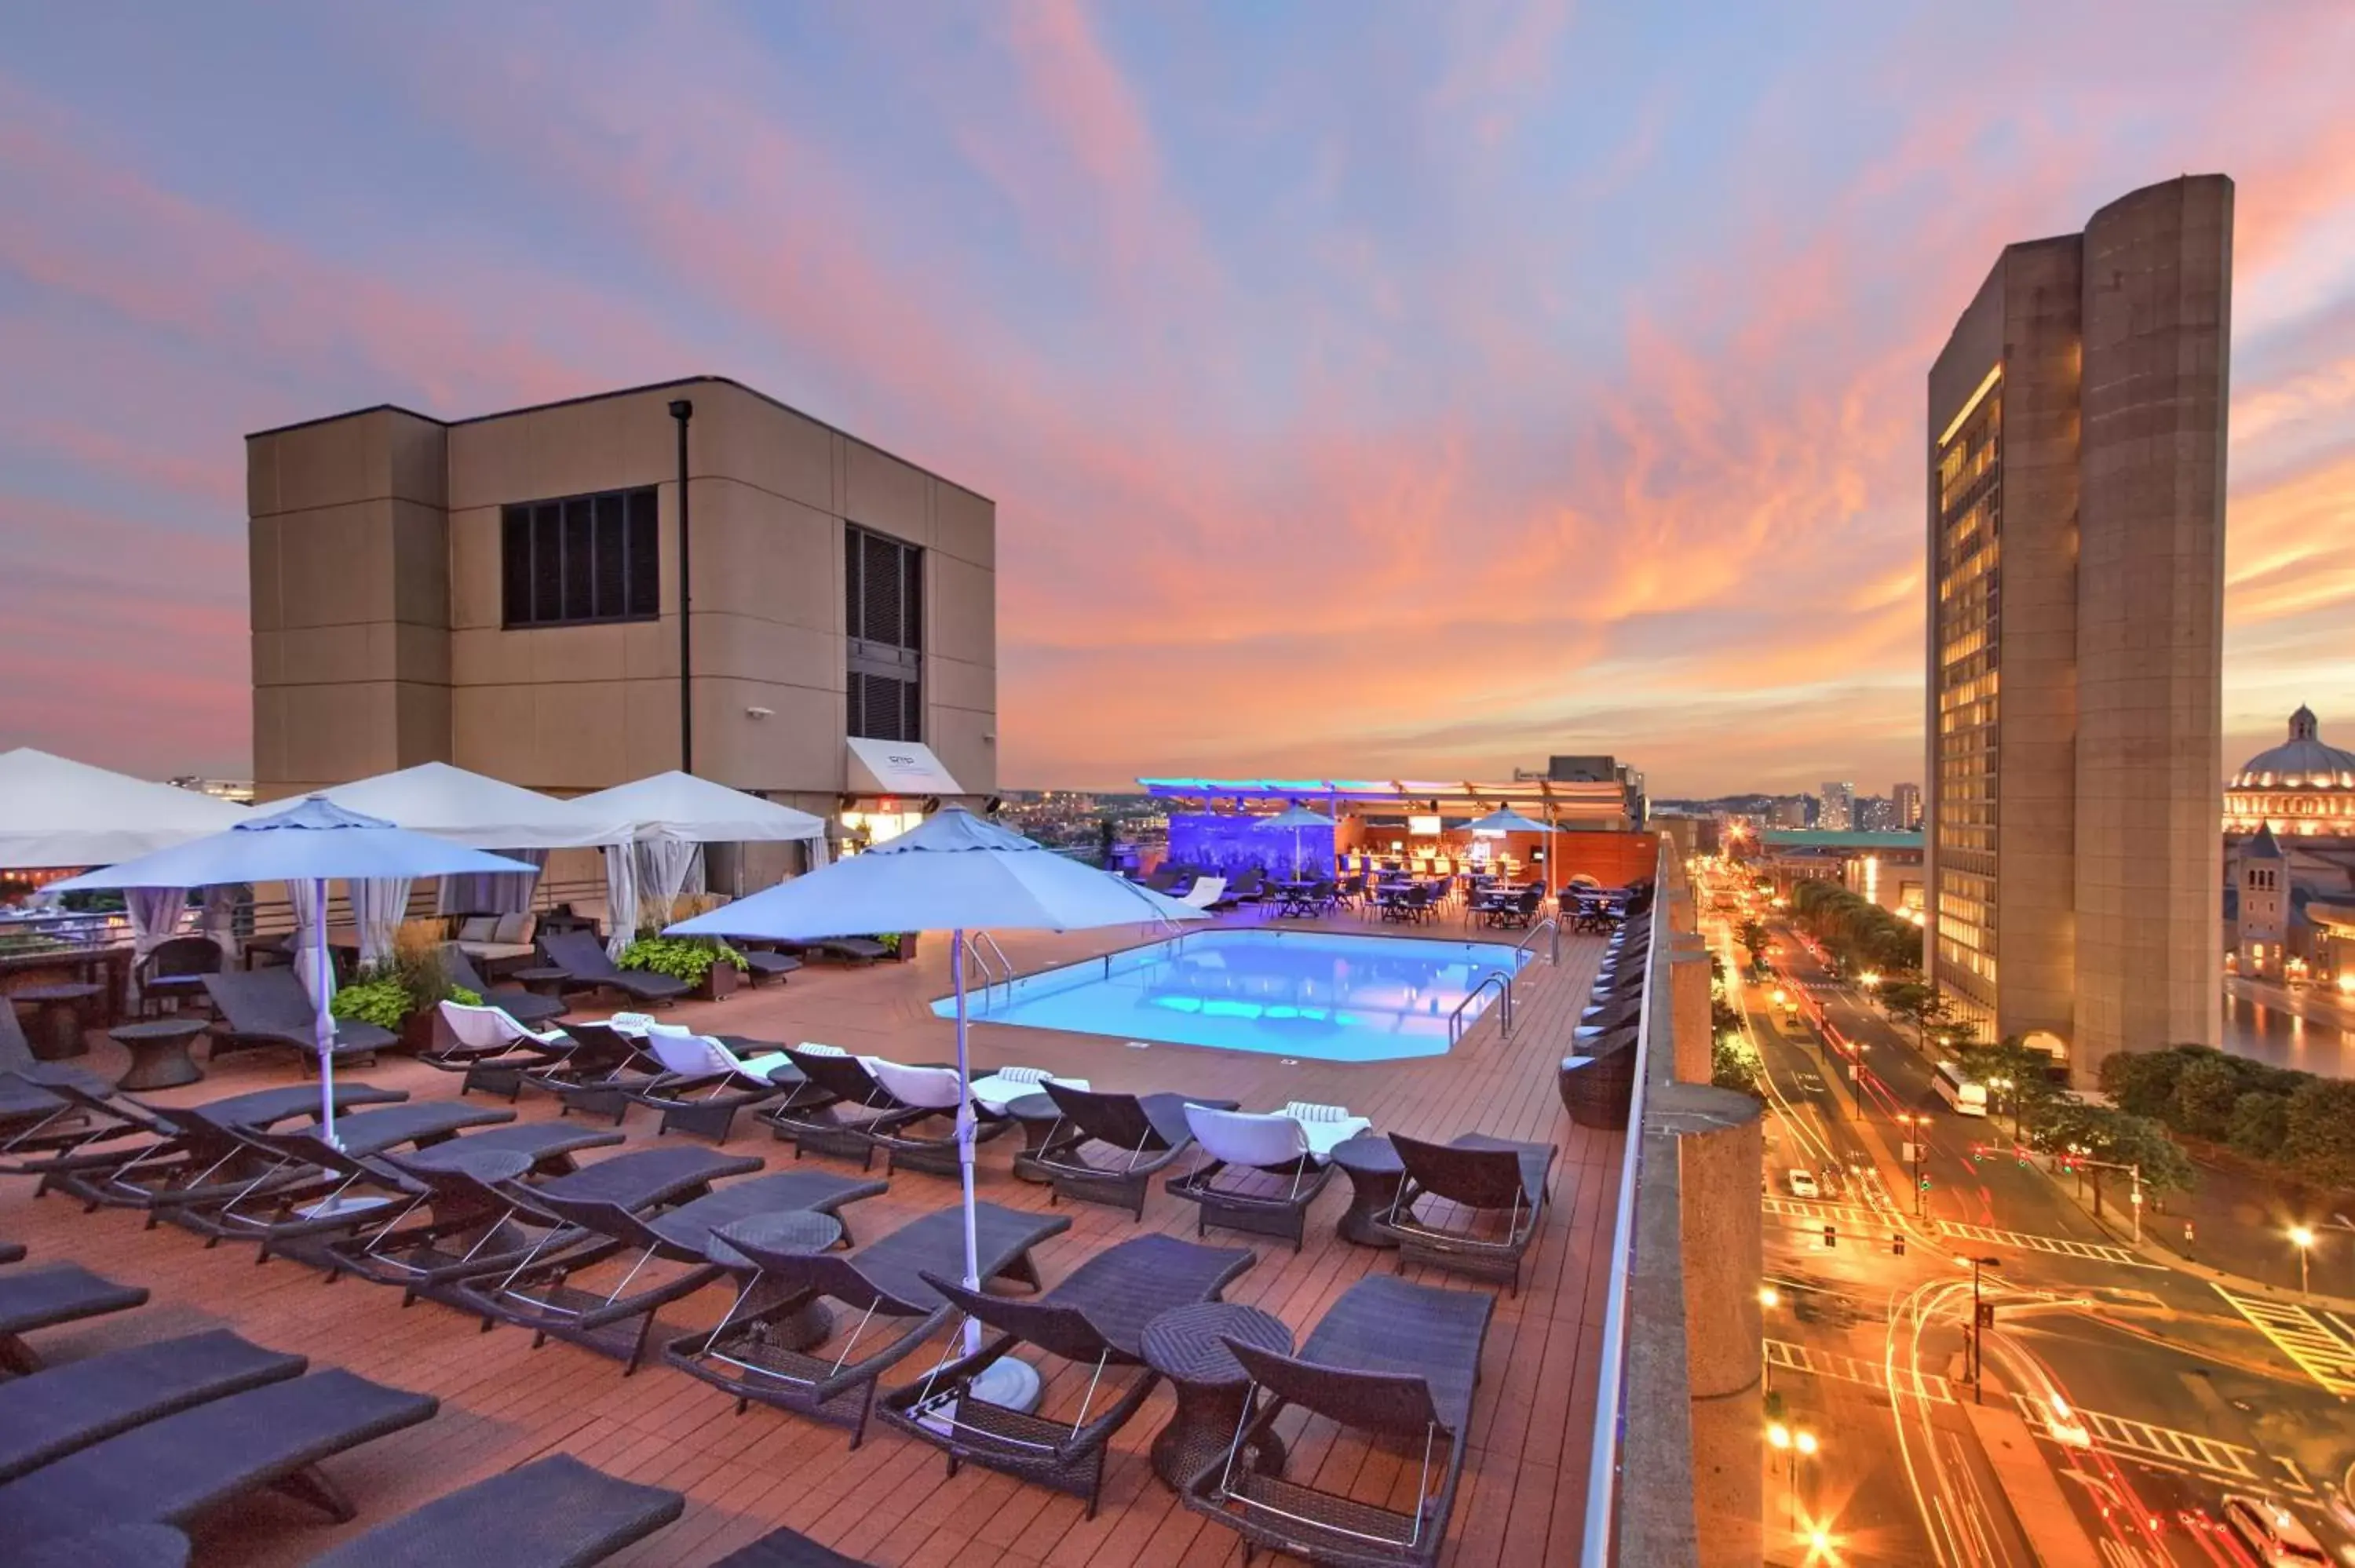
786	1547
477	1228
586	966
540	1295
1393	1360
54	1293
1479	1176
107	1546
753	1355
55	1412
523	1006
860	950
1095	1318
172	1470
555	1512
179	1149
269	1008
763	964
1109	1146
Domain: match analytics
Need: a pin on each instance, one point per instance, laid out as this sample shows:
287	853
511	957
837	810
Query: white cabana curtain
379	904
498	893
311	962
156	914
667	868
621	898
219	920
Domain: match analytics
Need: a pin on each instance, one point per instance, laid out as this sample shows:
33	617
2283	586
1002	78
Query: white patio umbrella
1297	817
958	873
316	842
1505	820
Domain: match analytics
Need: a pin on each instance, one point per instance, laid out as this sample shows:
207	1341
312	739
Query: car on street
1803	1183
2272	1533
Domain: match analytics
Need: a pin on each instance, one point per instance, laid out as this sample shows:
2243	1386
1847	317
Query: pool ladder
990	959
1504	984
1544	926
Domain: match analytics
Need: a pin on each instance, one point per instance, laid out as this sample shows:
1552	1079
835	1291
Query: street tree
1756	939
2320	1132
2072	1126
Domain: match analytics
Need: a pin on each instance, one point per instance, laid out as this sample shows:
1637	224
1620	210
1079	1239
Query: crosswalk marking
2091	1252
2317	1346
1789	1356
1847	1214
2123	1434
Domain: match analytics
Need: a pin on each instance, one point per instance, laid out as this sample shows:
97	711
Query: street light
2302	1238
1915	1125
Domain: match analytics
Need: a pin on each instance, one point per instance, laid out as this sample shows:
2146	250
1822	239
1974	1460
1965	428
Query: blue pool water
1314	994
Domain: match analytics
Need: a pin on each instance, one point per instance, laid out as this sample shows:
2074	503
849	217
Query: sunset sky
1365	389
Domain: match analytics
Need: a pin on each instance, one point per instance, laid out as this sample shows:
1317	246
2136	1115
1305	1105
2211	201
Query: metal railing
1610	1419
1504	984
1000	972
1549	925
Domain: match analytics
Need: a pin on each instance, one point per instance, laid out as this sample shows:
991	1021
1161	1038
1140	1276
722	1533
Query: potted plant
709	965
901	945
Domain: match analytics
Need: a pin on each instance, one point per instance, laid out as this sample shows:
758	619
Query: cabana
56	812
668	817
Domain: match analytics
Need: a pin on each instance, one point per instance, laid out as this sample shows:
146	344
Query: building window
581	559
883	603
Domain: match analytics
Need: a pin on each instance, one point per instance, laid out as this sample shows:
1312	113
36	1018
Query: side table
1039	1115
1188	1346
542	980
58	1008
1376	1172
159	1053
791	1232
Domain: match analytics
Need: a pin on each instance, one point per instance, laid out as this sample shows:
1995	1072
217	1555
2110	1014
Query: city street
2122	1399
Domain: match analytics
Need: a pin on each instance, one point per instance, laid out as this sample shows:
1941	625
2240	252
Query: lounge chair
842	1107
1095	1319
1206	892
526	1007
859	950
1259	1173
1250	887
55	1412
586	967
937	1092
269	1008
1166	877
1479	1175
539	1296
173	1468
555	1512
35	1121
786	1547
476	1228
763	964
106	1546
755	1355
601	1074
494	1048
187	1152
705	1082
1109	1146
1391	1360
306	1186
45	1297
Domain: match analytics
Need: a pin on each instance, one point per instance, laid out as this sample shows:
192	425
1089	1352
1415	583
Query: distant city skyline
1402	393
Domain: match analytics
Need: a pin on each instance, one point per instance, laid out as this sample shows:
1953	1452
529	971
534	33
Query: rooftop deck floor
890	1501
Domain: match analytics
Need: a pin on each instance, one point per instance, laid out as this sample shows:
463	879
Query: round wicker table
1187	1345
159	1053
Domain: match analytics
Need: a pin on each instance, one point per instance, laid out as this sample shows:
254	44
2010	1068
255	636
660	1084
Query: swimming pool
1316	994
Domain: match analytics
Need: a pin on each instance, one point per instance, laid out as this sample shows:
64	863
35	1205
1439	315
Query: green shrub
688	959
380	1000
1734	1065
2318	1131
2206	1092
2260	1124
466	998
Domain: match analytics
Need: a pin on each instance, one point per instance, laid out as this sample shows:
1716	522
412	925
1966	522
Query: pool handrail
1504	982
1547	924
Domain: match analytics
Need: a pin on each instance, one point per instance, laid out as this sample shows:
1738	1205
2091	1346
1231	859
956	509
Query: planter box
907	952
719	983
422	1032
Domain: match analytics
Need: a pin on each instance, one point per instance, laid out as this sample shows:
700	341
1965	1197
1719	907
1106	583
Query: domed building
2300	788
2289	860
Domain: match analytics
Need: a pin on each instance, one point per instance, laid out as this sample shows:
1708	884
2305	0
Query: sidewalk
2171	1257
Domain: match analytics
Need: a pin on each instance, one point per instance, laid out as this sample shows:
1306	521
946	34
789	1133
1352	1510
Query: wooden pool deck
890	1501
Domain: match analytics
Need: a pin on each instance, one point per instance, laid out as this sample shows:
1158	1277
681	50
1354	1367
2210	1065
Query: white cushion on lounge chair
480	1028
683	1051
935	1086
1327	1127
631	1023
1206	891
1006	1084
1247	1137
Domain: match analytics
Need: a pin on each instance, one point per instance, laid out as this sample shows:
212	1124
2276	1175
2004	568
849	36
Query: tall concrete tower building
2075	640
1840	806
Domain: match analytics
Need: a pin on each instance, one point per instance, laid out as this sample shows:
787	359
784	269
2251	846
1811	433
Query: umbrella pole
323	1023
1008	1382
